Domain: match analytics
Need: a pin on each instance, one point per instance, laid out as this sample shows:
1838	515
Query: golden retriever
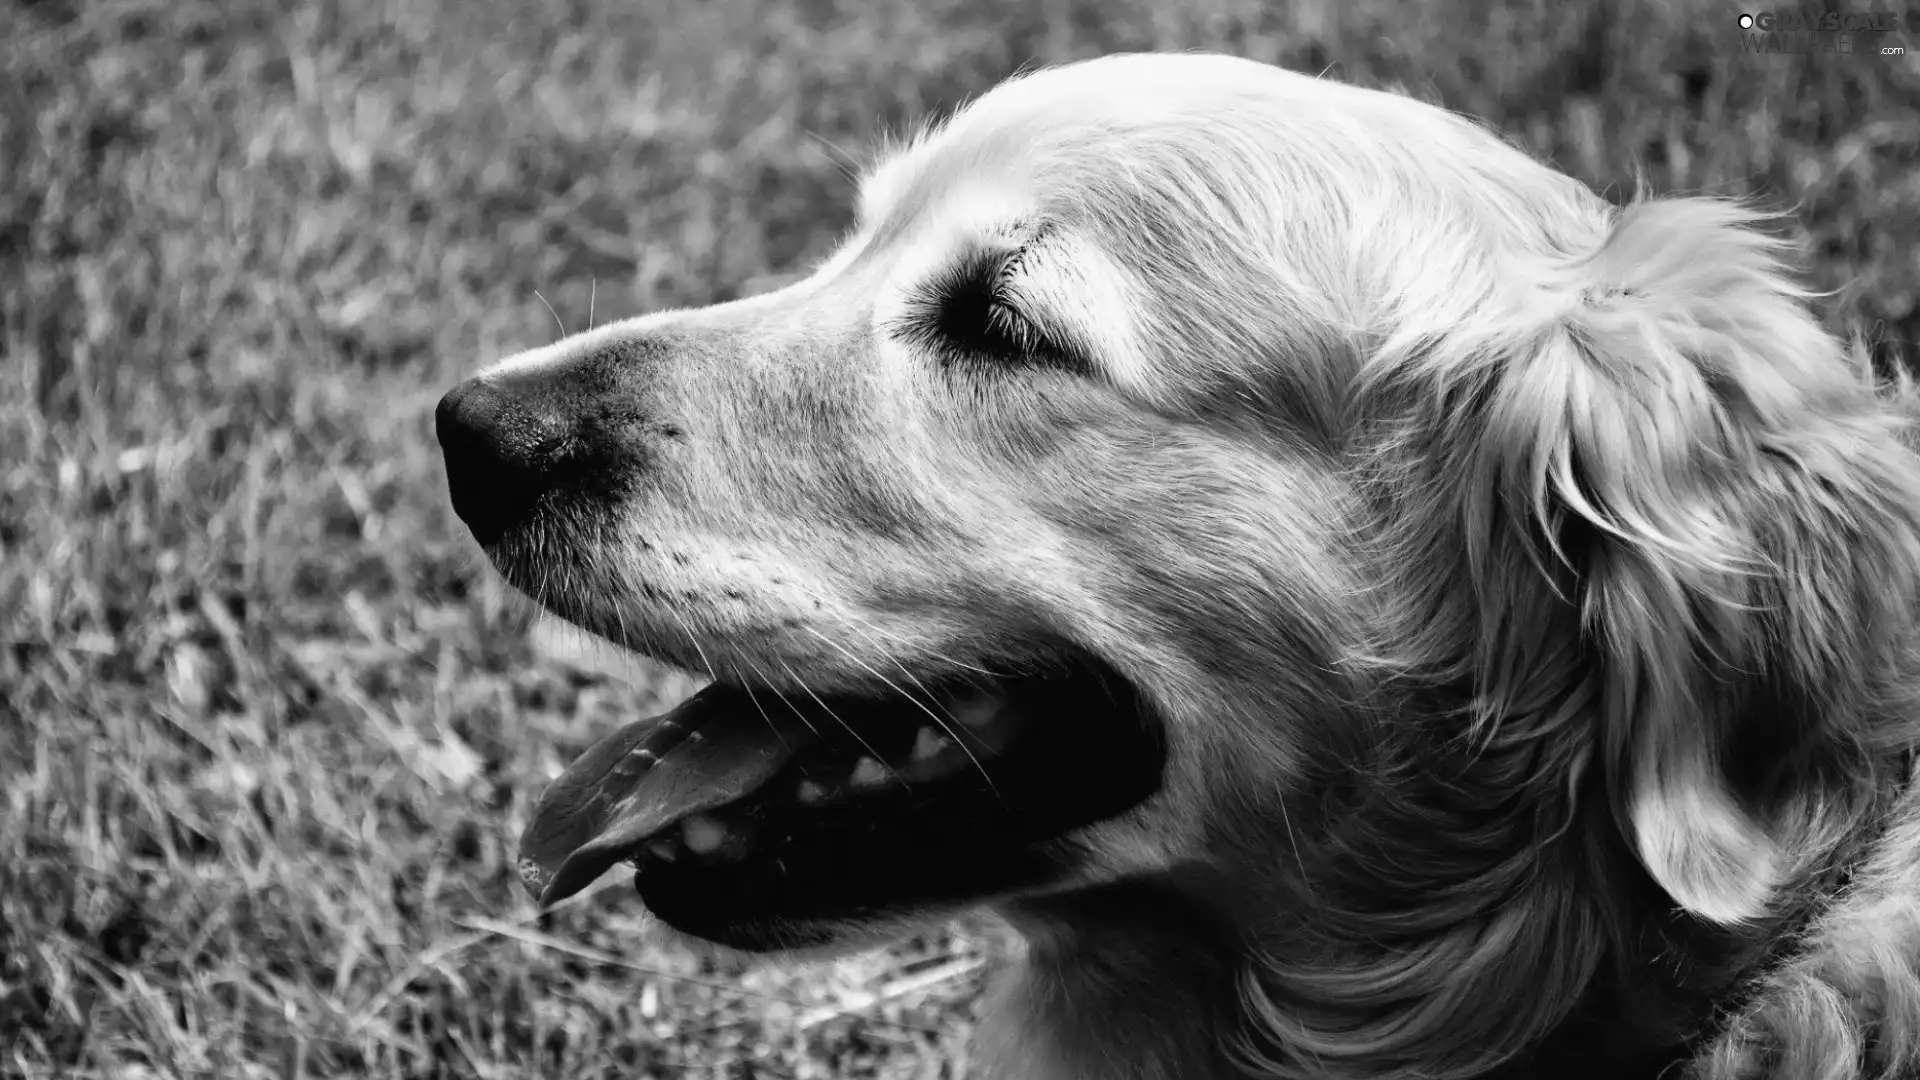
1357	603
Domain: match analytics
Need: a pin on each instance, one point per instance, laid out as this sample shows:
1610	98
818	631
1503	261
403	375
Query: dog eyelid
972	311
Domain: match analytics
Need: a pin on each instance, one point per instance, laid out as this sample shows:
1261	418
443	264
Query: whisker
873	631
856	625
755	698
791	707
627	637
555	314
848	164
802	683
695	642
944	722
895	641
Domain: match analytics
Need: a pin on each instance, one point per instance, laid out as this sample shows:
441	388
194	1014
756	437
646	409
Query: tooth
868	773
949	758
704	834
664	850
810	792
977	713
928	744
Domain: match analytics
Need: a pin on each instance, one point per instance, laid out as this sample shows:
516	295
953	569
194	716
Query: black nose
503	448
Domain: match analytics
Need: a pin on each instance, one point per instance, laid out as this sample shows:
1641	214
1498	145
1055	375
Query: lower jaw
906	858
764	912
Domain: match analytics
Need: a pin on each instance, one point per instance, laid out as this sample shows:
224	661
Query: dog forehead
1102	128
1116	99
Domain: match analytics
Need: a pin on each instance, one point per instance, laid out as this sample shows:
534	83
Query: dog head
1196	490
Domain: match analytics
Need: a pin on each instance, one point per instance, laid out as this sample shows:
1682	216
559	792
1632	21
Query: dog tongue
714	748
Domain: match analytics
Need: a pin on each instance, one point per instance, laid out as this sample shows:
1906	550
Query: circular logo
1746	22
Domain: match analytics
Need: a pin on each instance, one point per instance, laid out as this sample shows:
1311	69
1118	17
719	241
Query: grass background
267	731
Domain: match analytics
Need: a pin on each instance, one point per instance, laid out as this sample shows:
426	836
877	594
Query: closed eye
969	312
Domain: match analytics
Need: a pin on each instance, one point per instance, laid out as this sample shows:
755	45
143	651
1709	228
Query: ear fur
1688	524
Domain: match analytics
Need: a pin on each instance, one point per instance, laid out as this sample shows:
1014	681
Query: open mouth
759	821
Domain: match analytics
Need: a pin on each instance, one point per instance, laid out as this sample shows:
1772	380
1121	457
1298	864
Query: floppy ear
1687	520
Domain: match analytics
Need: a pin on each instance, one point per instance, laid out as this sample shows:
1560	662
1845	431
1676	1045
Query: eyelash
964	314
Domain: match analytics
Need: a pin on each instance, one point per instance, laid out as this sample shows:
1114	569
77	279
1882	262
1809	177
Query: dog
1355	601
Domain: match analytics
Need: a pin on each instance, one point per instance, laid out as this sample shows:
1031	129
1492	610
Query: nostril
497	447
446	415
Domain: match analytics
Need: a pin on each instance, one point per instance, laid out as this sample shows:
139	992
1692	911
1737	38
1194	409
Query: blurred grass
267	732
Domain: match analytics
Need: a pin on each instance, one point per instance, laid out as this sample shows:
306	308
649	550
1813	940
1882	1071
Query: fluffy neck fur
1131	981
1147	980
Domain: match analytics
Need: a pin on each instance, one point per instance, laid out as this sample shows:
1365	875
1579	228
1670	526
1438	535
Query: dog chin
801	942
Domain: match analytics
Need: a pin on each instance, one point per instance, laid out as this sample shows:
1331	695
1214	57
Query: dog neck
1129	981
1140	980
